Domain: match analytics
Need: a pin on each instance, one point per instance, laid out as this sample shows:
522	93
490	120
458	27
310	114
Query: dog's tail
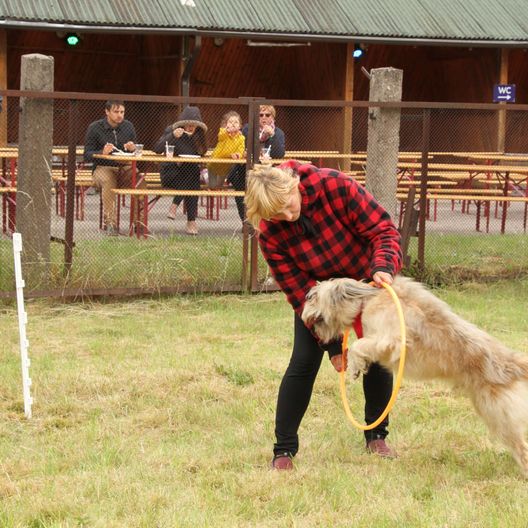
354	289
506	366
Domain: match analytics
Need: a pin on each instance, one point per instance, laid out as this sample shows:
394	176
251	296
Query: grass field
208	263
159	413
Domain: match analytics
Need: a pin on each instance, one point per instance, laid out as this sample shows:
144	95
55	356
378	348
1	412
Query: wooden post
501	118
33	211
348	110
384	137
3	86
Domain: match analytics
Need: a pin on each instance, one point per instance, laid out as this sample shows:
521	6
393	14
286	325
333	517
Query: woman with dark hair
187	136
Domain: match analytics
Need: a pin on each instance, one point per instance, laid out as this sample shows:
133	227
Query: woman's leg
169	179
377	387
191	206
237	178
296	388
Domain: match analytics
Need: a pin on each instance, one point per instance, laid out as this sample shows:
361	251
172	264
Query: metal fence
457	236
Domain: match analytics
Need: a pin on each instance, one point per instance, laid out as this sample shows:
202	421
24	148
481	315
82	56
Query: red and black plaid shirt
342	232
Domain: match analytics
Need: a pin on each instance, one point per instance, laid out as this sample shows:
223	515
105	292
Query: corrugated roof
481	20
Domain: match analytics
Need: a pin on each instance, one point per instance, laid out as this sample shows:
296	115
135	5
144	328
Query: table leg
4	213
132	211
11	211
145	216
118	212
505	204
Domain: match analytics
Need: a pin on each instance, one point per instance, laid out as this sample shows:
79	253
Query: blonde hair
225	118
268	190
270	109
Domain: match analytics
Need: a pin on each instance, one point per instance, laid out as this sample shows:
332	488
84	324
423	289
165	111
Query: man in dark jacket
112	134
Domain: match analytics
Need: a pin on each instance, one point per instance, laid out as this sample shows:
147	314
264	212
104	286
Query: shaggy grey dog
440	344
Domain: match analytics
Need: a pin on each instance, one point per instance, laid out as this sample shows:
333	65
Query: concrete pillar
35	137
384	137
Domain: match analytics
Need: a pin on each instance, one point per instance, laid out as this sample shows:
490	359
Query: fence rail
436	140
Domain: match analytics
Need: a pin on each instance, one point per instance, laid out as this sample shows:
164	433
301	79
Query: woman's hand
268	130
178	132
337	362
381	277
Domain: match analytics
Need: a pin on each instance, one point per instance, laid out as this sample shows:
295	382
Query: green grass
159	413
457	258
215	263
201	263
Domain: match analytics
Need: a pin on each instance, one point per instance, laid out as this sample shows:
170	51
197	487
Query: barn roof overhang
263	35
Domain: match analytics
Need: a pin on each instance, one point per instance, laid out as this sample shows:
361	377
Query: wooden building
453	51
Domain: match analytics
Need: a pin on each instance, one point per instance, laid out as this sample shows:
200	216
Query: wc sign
504	93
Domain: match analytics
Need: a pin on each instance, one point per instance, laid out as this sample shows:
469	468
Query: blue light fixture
358	51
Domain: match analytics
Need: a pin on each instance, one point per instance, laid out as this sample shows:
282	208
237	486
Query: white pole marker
22	321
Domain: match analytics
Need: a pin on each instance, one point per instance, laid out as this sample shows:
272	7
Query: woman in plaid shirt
317	224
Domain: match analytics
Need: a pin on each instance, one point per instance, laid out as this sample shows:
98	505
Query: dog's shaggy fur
440	344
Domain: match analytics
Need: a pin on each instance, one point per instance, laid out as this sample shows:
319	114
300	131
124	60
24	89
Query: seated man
104	136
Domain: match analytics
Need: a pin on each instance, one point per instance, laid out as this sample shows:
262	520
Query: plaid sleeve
373	223
294	282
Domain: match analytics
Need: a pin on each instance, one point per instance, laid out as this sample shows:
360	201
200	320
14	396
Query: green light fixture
72	39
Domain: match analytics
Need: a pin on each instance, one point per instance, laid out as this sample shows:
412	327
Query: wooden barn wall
151	64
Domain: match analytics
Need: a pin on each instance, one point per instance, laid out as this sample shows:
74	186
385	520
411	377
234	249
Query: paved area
450	219
159	225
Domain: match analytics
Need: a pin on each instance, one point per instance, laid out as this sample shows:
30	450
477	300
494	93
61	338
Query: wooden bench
142	195
480	198
83	181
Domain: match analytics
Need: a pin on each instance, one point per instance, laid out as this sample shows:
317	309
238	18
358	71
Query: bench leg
4	213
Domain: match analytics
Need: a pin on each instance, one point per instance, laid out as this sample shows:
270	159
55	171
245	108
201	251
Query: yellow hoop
399	375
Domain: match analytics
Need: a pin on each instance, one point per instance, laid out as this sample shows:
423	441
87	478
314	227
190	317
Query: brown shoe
379	447
282	461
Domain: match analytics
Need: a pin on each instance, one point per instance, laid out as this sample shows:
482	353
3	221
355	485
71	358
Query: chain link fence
459	237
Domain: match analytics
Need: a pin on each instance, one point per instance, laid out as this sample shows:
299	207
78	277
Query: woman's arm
166	139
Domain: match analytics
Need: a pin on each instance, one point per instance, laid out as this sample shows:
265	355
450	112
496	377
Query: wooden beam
501	119
3	86
349	96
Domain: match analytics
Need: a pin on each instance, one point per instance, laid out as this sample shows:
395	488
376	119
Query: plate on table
123	153
188	156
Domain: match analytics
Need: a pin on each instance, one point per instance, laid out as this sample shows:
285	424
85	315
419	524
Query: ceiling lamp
359	51
72	39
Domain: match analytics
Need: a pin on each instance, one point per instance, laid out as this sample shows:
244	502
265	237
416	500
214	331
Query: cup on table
169	151
265	154
139	149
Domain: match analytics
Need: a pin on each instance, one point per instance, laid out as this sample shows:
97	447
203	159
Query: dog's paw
358	366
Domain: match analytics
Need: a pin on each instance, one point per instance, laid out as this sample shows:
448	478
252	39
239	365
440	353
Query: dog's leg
362	353
504	410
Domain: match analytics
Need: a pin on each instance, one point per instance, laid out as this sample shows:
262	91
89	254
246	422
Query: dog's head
332	305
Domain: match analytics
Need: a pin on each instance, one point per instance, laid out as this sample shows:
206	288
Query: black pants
237	178
183	177
296	390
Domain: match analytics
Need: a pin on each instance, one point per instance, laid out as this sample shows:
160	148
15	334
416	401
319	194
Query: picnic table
141	228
